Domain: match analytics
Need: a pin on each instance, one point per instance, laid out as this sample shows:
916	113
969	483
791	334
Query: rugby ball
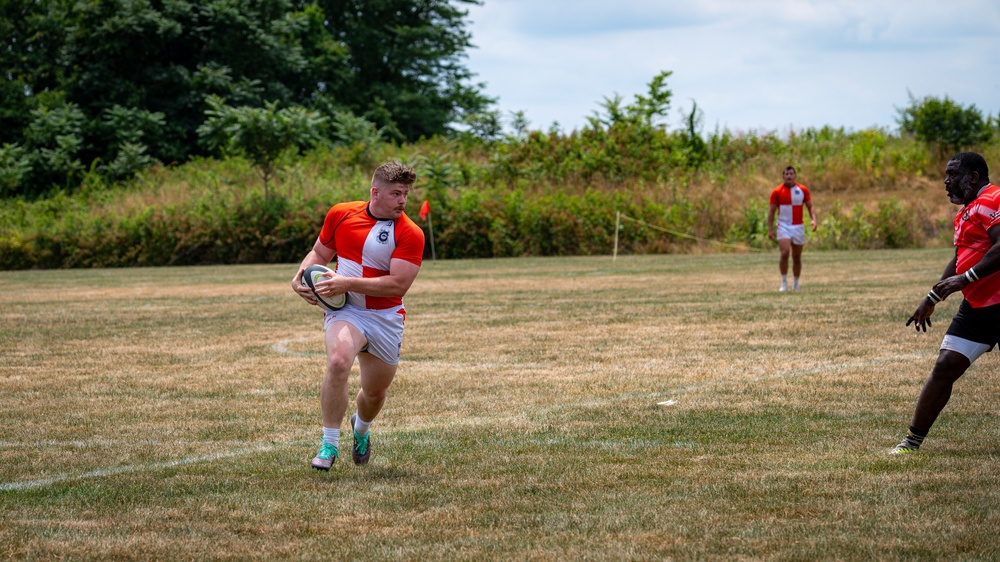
316	273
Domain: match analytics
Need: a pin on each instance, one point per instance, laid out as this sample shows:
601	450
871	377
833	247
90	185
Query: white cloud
769	64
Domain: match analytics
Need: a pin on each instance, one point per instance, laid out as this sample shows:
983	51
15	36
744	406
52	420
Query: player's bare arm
395	284
921	318
812	215
770	220
320	255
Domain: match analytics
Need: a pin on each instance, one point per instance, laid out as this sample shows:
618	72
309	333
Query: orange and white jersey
972	241
365	246
789	201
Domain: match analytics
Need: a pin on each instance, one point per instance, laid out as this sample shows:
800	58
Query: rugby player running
975	328
379	252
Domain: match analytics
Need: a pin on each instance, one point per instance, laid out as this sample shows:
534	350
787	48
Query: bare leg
950	365
343	343
785	245
376	376
796	259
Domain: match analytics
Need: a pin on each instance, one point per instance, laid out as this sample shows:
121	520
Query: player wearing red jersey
379	251
787	201
975	271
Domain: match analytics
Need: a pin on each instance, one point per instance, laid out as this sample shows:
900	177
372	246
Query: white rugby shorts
797	232
382	328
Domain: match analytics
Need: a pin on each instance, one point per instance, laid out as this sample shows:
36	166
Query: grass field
654	408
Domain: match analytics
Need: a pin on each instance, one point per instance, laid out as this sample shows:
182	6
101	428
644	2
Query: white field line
42	482
83	444
282	348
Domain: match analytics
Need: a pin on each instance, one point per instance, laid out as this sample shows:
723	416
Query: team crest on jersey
383	236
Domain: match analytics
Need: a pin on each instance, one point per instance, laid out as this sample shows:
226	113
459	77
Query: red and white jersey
789	201
972	242
365	246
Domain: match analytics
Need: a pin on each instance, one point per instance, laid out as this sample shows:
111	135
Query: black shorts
981	325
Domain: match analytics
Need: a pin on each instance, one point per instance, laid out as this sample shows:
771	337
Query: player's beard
962	194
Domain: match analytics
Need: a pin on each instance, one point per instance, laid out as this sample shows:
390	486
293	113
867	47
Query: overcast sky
749	64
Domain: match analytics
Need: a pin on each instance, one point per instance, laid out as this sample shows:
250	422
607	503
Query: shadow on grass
347	472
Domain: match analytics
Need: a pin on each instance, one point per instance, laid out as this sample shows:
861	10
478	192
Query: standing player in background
379	251
976	326
786	201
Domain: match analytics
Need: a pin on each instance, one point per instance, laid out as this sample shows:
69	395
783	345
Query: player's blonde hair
394	173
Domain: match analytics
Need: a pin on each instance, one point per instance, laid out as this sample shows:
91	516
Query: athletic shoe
783	289
325	457
905	447
362	448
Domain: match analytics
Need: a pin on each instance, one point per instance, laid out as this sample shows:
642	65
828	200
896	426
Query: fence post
618	222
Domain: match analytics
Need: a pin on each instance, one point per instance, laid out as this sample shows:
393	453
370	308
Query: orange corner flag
425	210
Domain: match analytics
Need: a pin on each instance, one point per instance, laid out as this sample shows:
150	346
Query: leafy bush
15	166
263	135
944	124
751	227
891	225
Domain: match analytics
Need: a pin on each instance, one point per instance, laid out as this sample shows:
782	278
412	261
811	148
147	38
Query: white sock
361	426
331	435
784	280
796	283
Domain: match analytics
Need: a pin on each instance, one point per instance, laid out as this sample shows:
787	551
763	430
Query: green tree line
113	87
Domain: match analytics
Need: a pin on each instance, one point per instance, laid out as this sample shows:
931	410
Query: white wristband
970	275
934	297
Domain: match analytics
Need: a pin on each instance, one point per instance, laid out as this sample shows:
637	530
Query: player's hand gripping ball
316	273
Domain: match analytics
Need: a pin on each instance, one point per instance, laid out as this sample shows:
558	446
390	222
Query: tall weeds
537	194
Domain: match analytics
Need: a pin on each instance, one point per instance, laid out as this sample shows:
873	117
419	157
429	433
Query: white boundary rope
619	216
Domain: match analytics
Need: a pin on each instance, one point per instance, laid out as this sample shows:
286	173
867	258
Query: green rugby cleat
362	447
325	457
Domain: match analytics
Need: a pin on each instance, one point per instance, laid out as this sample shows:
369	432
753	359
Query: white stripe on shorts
971	349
